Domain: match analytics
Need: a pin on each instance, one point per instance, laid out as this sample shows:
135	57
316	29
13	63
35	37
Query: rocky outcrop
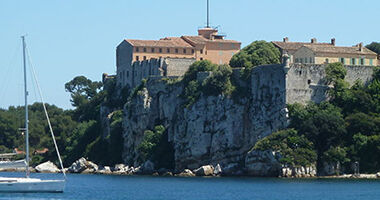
263	163
47	167
186	173
215	129
83	166
207	170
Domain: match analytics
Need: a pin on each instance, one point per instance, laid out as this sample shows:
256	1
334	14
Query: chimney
361	46
333	41
286	39
313	40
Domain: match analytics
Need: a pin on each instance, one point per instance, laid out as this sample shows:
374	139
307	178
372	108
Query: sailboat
28	184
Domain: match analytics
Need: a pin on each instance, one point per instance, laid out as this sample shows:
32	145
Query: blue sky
78	37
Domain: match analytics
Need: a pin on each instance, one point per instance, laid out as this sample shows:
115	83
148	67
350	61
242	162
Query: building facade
287	47
208	45
356	55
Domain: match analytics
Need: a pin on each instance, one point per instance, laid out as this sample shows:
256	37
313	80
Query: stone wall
306	82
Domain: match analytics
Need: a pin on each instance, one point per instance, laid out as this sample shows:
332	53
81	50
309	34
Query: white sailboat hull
25	185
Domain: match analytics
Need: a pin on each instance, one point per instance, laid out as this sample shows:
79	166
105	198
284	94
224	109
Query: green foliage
365	149
336	155
255	54
82	90
218	83
375	47
335	71
155	147
296	150
116	140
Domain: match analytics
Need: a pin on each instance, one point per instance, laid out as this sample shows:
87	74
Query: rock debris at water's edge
84	166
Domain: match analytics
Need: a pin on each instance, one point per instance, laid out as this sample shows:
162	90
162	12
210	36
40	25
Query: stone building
208	45
319	54
287	47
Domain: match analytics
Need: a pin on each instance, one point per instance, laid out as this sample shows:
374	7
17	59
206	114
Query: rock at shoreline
207	170
47	167
148	167
263	163
83	166
186	173
217	170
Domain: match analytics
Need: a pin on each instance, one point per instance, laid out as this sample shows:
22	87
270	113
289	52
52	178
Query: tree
82	90
257	53
335	72
295	149
375	47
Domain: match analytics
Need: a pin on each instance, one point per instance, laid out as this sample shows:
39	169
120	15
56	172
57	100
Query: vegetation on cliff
343	130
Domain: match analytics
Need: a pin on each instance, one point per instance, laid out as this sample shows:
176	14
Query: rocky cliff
220	129
215	129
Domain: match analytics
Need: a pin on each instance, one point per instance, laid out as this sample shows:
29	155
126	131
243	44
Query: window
192	51
184	51
152	50
176	50
327	60
296	60
342	60
353	61
201	51
137	58
361	61
301	61
144	49
160	50
371	61
144	57
305	60
137	49
201	59
311	60
308	81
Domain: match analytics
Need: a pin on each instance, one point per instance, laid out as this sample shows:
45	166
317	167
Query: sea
104	187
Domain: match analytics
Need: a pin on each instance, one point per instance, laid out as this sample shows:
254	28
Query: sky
68	38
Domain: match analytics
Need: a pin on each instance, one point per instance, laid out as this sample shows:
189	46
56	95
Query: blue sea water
104	187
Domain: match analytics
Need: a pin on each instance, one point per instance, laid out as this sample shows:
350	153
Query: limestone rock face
47	167
207	170
262	163
215	129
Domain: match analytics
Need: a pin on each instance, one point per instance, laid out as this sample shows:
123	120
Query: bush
296	150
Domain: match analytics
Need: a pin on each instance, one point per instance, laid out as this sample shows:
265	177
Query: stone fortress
216	129
170	56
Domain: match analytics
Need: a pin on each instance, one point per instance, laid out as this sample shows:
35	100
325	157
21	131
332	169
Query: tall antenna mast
208	14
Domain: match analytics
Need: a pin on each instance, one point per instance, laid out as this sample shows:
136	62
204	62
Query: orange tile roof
164	42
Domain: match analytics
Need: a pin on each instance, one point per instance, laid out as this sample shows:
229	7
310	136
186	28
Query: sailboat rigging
28	184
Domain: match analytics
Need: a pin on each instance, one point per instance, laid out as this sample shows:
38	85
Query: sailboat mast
26	109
